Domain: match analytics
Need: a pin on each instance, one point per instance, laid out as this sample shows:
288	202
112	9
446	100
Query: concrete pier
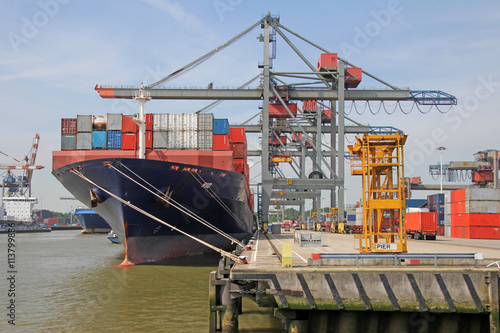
315	295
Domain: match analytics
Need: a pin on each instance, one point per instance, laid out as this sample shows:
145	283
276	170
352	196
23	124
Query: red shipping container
459	232
149	140
239	150
353	76
239	165
129	141
277	110
149	121
458	195
327	60
484	232
68	126
276	141
440	230
128	125
237	135
220	142
425	222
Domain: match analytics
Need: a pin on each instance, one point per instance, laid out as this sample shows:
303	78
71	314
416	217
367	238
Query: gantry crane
381	164
332	82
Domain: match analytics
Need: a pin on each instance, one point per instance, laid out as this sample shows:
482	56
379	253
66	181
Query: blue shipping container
351	217
221	126
114	140
415	203
438	199
99	140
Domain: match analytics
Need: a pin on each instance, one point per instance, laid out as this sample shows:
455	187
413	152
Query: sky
54	52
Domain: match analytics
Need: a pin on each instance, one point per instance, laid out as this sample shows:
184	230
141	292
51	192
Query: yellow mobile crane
380	164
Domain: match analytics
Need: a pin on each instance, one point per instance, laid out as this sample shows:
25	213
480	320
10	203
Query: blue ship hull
146	240
91	222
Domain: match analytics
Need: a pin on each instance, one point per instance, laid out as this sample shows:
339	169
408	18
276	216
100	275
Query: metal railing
396	257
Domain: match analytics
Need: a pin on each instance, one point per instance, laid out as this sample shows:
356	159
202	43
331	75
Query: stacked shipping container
435	203
473	213
185	138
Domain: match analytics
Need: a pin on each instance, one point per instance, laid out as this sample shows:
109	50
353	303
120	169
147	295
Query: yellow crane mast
381	164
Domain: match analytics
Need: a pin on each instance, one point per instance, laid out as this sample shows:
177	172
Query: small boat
113	238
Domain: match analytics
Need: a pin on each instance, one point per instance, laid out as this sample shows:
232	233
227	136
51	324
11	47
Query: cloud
175	10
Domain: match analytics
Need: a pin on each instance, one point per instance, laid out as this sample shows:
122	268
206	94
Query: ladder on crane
380	164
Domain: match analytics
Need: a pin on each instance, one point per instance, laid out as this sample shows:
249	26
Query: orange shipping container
426	222
475	220
457	195
484	233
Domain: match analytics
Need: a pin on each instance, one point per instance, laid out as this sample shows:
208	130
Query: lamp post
441	166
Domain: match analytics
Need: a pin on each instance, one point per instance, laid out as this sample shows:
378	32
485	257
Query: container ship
177	169
91	222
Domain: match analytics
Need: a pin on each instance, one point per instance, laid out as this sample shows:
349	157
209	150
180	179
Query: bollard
286	257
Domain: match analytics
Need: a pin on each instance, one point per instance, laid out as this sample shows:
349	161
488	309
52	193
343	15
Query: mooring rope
214	195
127	203
176	205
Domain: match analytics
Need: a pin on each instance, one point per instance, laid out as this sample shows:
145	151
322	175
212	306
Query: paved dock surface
262	254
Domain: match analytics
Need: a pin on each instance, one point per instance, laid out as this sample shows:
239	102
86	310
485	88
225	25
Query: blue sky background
53	53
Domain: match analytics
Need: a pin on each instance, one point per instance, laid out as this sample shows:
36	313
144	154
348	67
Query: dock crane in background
325	88
21	185
16	190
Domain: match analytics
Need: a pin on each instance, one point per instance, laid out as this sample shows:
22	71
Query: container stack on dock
473	213
435	203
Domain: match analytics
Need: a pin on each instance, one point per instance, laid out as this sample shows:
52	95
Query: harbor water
63	281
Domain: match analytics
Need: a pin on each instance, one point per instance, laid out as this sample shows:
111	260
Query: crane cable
177	205
127	203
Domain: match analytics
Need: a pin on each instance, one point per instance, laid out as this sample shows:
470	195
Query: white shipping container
160	122
447	219
205	122
175	139
190	140
472	193
84	123
175	121
84	141
205	140
99	119
447	231
160	140
114	122
190	121
482	207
